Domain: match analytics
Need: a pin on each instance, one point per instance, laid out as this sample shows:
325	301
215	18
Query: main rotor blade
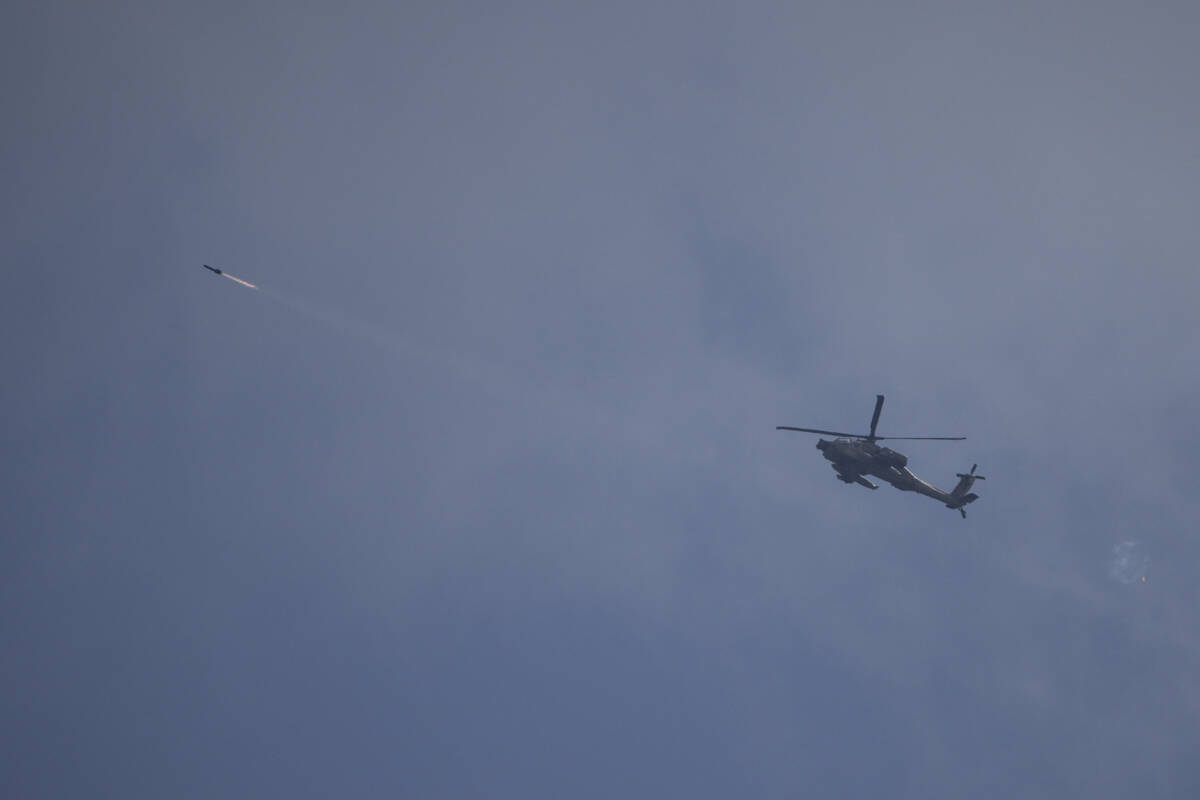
925	438
815	430
875	416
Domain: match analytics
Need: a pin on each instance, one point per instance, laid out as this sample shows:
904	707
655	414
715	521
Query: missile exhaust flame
239	280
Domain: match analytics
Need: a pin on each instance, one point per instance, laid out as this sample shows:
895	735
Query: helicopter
855	456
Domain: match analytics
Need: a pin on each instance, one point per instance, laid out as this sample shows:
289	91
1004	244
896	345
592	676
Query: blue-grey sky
481	495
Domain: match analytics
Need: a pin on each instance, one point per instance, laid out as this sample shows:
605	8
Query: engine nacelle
892	458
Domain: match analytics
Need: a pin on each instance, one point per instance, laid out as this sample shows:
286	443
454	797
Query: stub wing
853	477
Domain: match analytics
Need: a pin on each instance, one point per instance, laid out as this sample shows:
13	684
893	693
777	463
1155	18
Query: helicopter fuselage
855	458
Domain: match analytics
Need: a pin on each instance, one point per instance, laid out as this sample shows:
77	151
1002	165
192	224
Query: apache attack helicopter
855	456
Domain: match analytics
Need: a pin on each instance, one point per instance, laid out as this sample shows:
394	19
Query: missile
233	278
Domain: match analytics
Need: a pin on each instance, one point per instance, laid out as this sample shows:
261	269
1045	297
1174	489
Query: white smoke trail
466	367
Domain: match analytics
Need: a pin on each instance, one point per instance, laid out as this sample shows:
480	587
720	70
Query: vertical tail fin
960	497
965	482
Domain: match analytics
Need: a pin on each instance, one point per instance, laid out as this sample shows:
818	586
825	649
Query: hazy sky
481	496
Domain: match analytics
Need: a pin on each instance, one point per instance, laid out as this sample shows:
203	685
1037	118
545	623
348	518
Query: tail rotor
970	474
